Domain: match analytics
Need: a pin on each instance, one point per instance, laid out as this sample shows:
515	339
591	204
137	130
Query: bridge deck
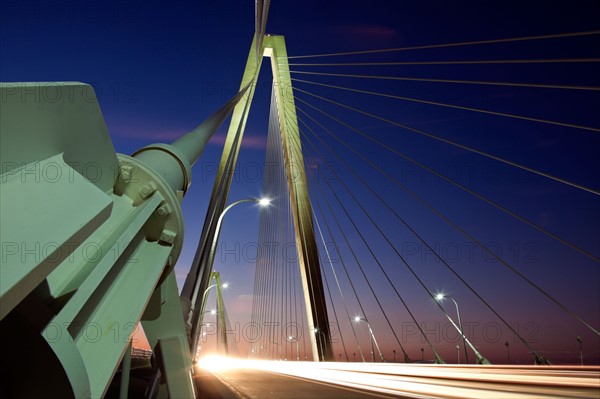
334	380
258	384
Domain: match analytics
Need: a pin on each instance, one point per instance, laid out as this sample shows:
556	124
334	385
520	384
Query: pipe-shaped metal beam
192	144
174	161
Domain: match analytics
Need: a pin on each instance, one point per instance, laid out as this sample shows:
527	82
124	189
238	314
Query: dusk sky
160	68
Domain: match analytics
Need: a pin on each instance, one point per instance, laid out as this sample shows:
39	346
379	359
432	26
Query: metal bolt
168	236
148	190
126	172
163	210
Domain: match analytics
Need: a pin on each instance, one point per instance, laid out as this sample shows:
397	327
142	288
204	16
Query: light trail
429	380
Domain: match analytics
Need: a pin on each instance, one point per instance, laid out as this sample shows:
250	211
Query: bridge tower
274	47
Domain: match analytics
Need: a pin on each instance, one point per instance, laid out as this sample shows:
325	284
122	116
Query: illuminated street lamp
440	297
316	331
263	202
194	324
358	319
291	338
480	359
213	311
195	336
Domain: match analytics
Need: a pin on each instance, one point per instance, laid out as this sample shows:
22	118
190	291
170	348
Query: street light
457	354
263	202
223	285
213	311
195	337
580	349
190	316
358	319
480	359
280	351
440	297
319	342
290	338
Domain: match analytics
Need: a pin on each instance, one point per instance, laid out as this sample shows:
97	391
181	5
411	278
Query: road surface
271	379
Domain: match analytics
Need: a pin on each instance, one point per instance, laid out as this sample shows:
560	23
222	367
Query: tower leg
310	268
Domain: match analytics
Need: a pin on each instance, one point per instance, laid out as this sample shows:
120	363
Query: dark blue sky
159	68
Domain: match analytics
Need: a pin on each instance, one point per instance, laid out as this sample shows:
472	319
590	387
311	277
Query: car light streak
432	381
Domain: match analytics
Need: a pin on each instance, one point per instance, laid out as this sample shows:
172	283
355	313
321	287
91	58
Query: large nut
126	172
148	190
163	210
168	236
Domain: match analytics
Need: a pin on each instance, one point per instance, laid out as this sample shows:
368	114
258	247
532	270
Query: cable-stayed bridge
422	208
346	228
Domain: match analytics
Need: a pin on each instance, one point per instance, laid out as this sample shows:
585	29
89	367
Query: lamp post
198	325
211	258
291	338
373	340
212	311
316	330
263	202
457	354
204	339
580	349
507	352
280	351
194	324
480	359
439	298
204	295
